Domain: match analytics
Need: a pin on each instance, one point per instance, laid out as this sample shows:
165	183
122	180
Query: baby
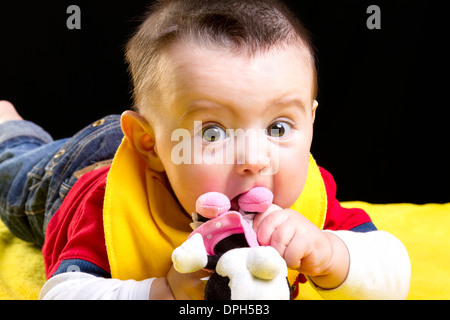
224	97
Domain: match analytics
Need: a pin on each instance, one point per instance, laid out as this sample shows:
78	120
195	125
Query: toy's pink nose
212	204
257	199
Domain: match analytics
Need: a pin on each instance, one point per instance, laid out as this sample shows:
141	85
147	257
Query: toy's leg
190	256
265	263
217	288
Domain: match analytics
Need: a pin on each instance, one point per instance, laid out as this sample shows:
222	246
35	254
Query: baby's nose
253	154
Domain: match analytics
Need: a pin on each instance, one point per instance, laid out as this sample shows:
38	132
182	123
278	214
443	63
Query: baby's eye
213	133
278	129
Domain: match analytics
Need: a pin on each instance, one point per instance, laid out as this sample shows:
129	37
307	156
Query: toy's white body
257	273
241	265
254	272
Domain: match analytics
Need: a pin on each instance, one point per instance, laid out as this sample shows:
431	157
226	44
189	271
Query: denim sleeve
36	173
365	227
24	148
79	265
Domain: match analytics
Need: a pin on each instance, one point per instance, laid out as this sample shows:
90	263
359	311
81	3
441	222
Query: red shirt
76	229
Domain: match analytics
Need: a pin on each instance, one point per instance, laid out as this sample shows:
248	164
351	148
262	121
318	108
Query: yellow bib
144	223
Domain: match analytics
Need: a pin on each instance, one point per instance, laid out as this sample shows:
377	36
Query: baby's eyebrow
199	106
290	101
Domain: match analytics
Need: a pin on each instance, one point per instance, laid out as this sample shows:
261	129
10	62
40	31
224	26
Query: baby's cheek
288	188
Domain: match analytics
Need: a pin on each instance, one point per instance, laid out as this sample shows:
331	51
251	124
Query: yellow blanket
424	229
425	232
21	267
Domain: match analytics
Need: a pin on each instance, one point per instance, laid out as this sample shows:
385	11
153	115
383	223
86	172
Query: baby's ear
314	108
140	134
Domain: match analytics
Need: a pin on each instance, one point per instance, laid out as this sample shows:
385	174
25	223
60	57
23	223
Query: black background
381	126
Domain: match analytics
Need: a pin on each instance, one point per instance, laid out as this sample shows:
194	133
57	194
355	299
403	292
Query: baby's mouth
234	203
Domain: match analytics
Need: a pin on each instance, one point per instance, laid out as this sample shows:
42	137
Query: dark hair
242	26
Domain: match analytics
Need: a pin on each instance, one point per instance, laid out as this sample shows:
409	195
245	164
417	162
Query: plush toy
227	245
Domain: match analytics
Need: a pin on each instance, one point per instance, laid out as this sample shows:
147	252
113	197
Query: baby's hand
304	247
179	286
187	286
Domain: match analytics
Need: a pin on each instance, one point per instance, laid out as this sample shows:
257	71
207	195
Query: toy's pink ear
257	199
212	204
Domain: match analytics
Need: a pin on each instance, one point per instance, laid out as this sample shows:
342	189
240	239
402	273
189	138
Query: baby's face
234	122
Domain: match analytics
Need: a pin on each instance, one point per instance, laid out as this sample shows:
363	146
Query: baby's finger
282	238
295	252
259	218
268	226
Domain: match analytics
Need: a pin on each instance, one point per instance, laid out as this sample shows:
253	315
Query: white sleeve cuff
379	267
83	286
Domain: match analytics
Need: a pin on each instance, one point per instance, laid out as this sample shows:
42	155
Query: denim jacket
36	173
